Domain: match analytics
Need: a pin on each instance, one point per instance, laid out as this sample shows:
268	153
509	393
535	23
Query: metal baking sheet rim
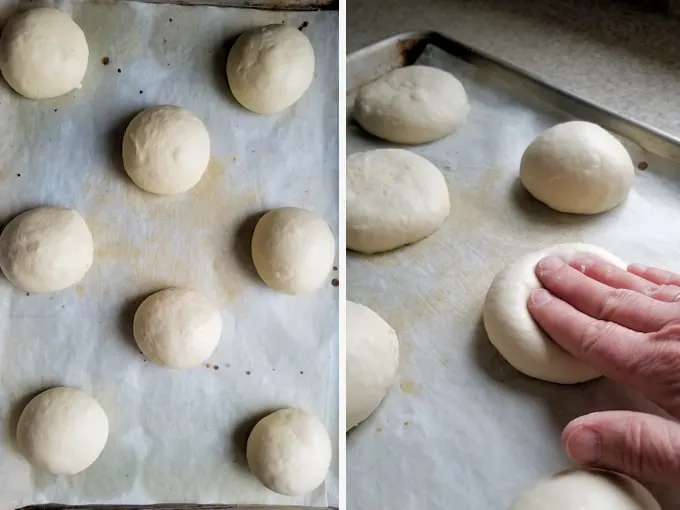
410	45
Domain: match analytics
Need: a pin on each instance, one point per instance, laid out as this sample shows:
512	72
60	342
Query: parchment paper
462	429
175	435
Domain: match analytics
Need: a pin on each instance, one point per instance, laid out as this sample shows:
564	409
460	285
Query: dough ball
270	68
62	430
577	167
293	250
412	105
372	361
289	451
177	328
166	150
43	53
46	249
512	329
394	198
582	489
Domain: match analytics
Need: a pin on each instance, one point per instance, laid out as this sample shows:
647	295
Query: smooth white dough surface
270	68
46	249
412	105
513	331
177	328
372	362
62	430
577	167
43	53
289	451
586	489
293	250
394	197
166	150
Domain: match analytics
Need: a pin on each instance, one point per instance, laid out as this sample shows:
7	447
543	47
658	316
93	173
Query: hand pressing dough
166	150
513	331
62	430
177	328
46	249
577	167
372	362
586	489
43	53
394	197
289	451
270	68
293	250
412	105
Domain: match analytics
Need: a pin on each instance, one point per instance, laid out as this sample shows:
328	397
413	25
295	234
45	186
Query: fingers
613	350
641	445
626	307
655	275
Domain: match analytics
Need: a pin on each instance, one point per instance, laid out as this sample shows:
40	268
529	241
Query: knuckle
612	301
592	336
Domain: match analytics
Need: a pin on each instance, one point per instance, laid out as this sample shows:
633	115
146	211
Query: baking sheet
461	425
176	436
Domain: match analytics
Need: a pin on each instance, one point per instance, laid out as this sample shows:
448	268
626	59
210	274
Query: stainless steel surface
275	5
461	424
174	435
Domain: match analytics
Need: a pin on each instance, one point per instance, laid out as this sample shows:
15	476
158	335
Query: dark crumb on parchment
215	367
120	70
170	20
642	165
303	26
248	372
335	268
56	110
18	175
141	92
302	372
28	294
106	60
335	282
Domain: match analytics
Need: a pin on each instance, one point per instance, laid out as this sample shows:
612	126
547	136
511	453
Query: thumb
640	445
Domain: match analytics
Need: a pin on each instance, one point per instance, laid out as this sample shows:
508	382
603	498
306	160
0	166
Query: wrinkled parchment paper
461	428
175	435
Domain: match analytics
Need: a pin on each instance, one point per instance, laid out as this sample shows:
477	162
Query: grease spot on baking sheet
410	388
80	291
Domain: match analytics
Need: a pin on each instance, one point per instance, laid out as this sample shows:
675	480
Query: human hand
626	325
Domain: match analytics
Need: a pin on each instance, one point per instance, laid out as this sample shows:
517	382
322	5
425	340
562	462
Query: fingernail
540	297
584	445
550	263
637	268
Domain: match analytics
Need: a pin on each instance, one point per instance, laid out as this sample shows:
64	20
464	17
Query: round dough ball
177	328
166	150
293	250
372	362
289	451
43	53
62	430
412	105
46	249
512	329
577	167
270	68
586	489
394	198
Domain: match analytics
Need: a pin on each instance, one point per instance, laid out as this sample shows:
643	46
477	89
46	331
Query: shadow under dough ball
46	249
512	329
43	53
270	68
289	451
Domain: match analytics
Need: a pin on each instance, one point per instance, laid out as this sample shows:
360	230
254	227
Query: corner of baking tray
408	45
